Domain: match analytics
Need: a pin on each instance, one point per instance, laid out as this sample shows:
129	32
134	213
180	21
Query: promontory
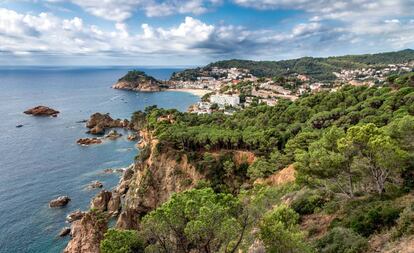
138	81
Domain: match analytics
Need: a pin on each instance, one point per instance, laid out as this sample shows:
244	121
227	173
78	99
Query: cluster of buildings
372	74
227	84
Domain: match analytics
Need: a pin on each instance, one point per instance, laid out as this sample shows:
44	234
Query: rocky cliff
153	180
138	81
87	233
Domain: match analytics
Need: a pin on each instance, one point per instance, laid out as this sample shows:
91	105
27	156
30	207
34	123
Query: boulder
74	216
42	111
95	185
59	202
64	232
113	134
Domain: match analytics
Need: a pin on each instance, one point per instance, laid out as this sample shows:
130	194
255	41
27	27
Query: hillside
317	68
214	183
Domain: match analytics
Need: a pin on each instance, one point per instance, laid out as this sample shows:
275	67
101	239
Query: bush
121	241
405	224
372	217
307	202
342	240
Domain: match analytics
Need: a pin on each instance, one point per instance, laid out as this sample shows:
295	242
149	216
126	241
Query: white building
232	100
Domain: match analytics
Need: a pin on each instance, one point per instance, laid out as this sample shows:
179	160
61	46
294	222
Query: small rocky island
98	122
136	80
42	111
59	202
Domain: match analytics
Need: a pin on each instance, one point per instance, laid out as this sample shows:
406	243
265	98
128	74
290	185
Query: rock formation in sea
138	81
42	111
98	122
113	135
59	202
95	185
88	141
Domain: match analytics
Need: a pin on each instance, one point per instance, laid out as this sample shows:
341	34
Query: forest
353	155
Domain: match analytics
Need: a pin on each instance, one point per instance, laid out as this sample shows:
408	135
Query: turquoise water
41	161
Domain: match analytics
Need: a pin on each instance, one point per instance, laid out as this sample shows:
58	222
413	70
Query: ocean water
41	160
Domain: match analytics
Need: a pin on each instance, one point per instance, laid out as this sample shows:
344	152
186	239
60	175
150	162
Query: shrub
342	240
121	241
372	217
307	202
405	224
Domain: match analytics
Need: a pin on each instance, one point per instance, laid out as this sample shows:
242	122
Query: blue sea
41	160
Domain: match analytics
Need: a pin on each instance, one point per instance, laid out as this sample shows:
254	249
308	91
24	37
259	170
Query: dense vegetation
353	151
318	68
137	76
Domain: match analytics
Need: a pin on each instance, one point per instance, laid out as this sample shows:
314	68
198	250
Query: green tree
375	153
121	241
260	168
199	220
280	232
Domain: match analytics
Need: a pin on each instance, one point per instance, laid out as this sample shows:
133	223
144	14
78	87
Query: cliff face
153	181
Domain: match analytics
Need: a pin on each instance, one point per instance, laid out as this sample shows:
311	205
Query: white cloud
120	10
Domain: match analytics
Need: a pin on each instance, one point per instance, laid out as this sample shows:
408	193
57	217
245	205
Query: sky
196	32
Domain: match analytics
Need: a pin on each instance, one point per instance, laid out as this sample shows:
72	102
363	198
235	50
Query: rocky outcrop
138	81
100	201
64	232
132	137
107	201
98	122
88	141
42	111
74	216
59	202
87	233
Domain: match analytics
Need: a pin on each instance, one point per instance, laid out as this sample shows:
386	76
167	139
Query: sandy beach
197	92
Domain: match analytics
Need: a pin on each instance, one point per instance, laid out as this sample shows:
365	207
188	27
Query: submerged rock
42	111
95	184
74	216
59	202
64	232
19	126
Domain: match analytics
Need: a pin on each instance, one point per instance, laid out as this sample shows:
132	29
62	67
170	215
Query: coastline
196	92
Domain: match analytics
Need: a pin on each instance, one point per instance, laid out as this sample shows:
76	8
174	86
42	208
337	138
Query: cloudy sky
193	32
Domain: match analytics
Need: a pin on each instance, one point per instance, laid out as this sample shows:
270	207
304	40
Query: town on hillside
235	88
